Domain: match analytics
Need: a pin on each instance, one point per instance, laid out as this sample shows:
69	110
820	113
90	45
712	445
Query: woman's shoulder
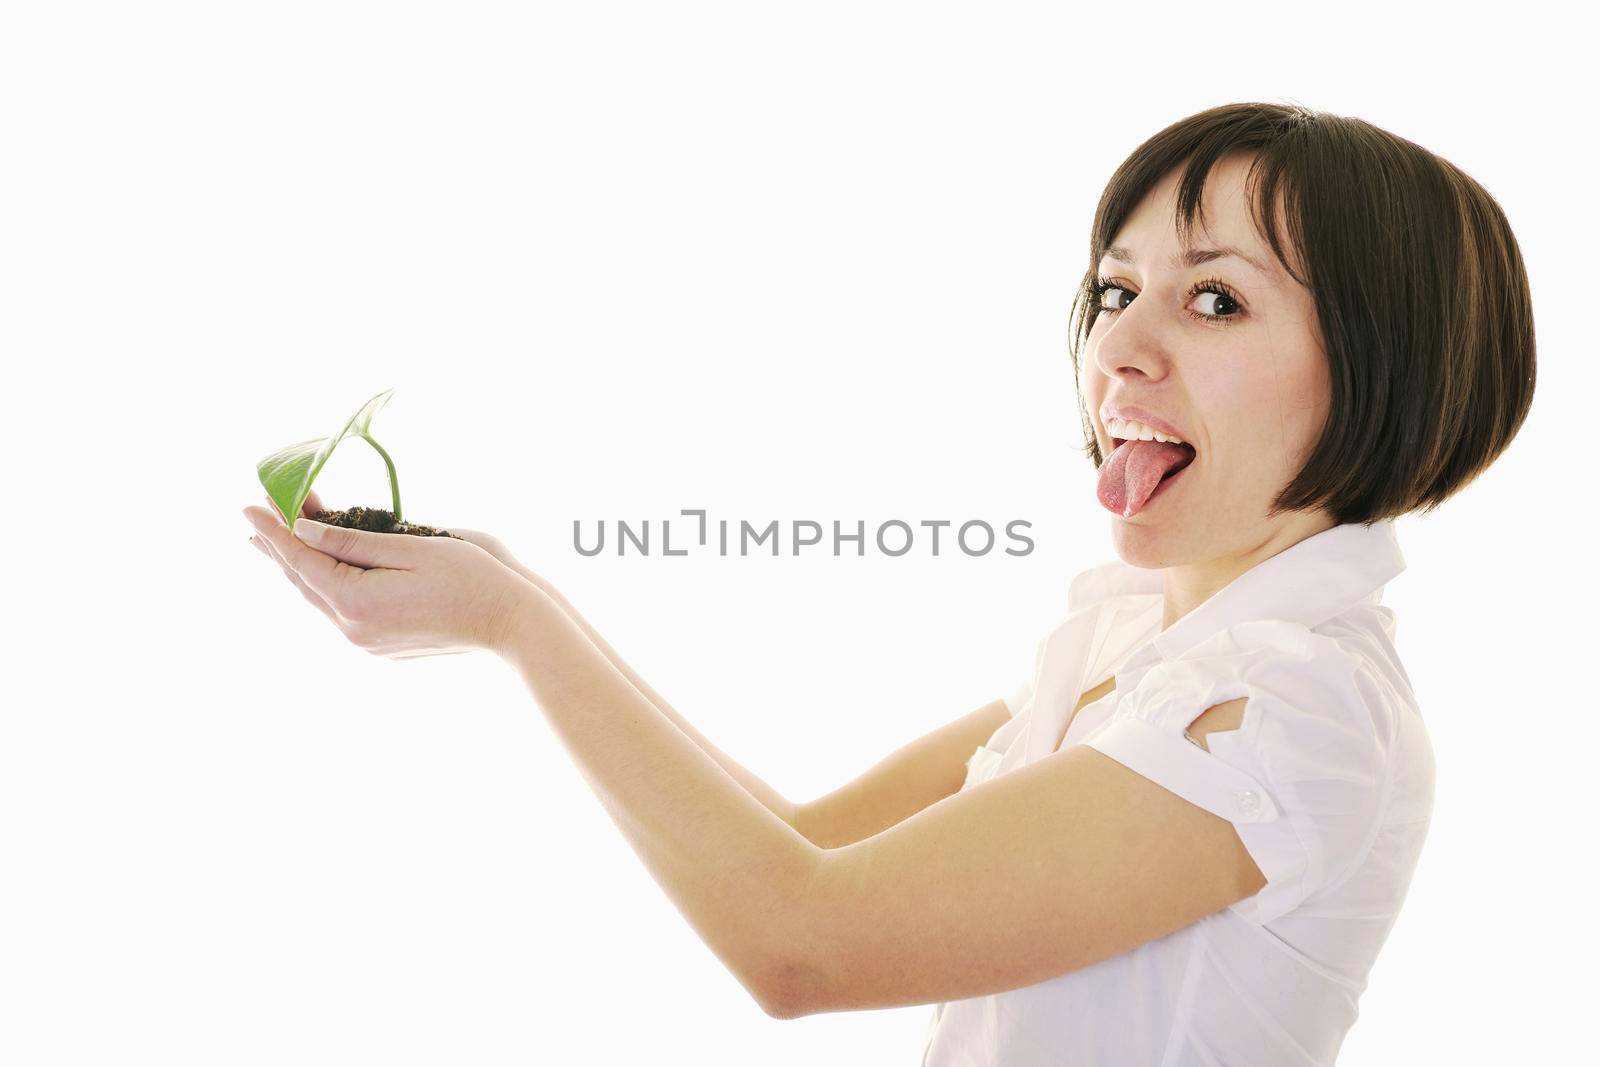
1354	646
1343	675
1328	698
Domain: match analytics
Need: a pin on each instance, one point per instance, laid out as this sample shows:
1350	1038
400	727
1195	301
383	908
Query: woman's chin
1152	545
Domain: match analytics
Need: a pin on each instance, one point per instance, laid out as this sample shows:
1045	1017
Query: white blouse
1329	780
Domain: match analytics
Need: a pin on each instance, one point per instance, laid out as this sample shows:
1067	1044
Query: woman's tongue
1133	470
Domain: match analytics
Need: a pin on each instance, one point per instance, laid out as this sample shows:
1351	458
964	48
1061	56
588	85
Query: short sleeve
1301	777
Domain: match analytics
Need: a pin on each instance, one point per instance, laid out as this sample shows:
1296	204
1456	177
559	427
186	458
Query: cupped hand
396	595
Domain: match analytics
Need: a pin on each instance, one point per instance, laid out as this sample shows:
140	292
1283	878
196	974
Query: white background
617	260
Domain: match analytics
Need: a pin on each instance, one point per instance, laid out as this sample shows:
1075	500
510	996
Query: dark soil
377	520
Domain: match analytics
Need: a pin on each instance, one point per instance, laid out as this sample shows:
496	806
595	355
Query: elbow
787	991
789	978
774	1009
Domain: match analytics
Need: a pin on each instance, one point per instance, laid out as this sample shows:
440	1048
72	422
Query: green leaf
287	474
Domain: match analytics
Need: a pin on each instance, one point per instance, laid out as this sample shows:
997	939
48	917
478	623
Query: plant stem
394	479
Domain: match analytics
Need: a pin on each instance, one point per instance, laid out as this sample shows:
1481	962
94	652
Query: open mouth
1124	486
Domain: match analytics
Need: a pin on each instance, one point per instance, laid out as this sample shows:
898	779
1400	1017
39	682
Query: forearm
769	797
733	868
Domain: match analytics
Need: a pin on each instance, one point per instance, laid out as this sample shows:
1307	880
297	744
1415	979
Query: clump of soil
378	520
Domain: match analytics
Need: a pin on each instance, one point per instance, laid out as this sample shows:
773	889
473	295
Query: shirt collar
1309	582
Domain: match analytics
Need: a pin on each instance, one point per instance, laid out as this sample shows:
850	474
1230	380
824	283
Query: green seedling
288	473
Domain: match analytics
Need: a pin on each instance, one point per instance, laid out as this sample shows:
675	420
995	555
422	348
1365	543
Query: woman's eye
1223	307
1223	304
1102	291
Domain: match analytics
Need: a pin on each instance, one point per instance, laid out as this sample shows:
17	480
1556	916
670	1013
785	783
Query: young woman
1184	839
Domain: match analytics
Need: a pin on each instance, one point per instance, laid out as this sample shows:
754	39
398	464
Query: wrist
519	606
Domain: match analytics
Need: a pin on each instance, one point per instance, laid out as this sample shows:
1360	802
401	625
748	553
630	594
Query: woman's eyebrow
1192	257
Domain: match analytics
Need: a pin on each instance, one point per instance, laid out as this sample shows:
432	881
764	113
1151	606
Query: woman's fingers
311	598
268	550
327	569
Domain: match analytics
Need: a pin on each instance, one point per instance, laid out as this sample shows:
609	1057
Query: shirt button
1248	801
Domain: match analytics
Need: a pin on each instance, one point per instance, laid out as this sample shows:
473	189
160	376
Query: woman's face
1249	390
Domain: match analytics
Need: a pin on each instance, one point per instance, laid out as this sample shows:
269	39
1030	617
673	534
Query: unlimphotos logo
893	537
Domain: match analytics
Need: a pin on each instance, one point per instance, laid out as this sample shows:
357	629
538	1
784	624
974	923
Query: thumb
361	548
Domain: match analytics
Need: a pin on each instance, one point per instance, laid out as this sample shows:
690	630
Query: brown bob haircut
1419	288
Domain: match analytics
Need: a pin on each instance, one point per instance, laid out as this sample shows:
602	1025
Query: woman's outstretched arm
898	786
961	899
736	870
